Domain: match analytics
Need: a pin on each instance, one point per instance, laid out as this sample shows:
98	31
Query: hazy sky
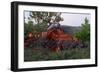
74	19
71	19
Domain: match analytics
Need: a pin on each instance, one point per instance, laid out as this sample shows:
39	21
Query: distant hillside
70	29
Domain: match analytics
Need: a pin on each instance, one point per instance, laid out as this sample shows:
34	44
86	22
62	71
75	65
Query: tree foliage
38	21
84	33
28	27
41	17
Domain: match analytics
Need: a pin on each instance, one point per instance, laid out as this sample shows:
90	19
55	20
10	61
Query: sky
70	19
74	19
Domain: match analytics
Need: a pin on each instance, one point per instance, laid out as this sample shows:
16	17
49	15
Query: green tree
42	19
28	27
38	21
84	33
